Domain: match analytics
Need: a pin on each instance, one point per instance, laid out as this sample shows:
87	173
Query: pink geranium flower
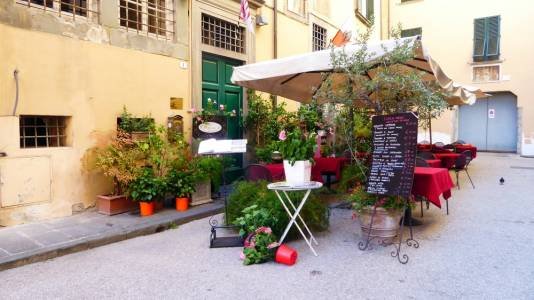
221	107
282	135
242	255
272	245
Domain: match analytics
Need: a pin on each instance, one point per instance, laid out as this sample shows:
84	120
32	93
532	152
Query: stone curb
152	225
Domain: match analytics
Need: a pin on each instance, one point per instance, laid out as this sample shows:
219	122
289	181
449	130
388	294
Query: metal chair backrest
426	155
461	162
424	142
459	142
255	172
439	144
468	156
449	146
421	162
347	154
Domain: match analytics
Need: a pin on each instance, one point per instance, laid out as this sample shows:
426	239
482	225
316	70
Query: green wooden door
217	86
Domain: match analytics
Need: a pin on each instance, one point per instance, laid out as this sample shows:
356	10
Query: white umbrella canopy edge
298	77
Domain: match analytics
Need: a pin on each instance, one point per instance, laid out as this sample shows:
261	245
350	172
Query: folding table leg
293	218
300	217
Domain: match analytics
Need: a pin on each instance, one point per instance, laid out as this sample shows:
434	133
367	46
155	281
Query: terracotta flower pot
146	208
112	205
286	255
182	204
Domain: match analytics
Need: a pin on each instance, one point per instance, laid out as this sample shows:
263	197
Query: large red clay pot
146	208
182	204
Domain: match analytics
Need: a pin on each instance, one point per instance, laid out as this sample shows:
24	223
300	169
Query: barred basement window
222	34
71	8
43	131
319	38
151	17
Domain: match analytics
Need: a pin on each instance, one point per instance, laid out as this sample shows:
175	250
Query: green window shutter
411	32
479	40
370	9
493	37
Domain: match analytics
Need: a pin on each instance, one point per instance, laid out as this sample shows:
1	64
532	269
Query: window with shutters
87	9
486	41
412	32
365	10
319	38
153	18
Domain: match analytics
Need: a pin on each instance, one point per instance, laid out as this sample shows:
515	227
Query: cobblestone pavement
482	250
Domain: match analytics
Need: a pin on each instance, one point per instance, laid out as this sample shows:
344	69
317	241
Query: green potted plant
119	161
145	189
180	183
297	149
138	128
387	211
207	174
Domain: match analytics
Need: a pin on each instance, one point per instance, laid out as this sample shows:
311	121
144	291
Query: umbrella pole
430	129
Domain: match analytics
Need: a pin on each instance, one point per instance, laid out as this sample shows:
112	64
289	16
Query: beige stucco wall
448	35
89	82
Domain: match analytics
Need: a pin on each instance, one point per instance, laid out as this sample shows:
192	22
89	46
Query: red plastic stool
286	255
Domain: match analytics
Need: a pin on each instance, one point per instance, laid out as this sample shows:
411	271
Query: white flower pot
298	173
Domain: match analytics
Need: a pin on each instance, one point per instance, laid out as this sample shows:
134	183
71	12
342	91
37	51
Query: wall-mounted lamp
261	21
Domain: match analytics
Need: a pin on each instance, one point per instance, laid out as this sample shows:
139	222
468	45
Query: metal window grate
319	38
222	34
151	17
42	131
69	8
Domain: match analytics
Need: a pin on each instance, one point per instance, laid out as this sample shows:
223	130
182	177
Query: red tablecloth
434	163
320	166
431	183
462	148
327	164
277	171
447	159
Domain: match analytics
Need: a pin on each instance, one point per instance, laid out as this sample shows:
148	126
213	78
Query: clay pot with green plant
137	127
147	188
181	184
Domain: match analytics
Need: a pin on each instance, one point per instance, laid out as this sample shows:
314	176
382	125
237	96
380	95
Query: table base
309	238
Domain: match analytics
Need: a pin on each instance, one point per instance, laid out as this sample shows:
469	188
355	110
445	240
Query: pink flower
264	230
282	135
272	245
193	110
241	255
221	107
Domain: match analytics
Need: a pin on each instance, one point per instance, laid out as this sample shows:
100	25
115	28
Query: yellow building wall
89	82
448	35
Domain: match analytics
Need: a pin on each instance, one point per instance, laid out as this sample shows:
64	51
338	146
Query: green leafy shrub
246	194
253	218
180	183
295	145
147	187
130	124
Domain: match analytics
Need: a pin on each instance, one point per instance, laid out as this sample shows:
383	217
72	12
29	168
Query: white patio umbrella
298	77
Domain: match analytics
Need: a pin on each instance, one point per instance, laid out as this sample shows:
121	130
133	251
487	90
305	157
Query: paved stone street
483	249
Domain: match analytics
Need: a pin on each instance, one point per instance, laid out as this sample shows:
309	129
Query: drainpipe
16	75
275	42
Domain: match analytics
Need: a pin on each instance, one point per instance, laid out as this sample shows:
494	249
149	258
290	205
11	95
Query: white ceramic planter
298	173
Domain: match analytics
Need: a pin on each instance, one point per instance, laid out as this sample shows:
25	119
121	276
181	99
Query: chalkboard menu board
211	127
393	159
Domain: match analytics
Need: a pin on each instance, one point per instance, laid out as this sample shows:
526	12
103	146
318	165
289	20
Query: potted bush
145	189
389	210
207	172
180	183
119	160
297	149
137	128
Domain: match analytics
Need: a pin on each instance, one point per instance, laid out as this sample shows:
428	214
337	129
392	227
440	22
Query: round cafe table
281	188
447	159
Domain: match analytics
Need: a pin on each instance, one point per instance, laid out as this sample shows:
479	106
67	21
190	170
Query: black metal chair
256	172
426	155
421	162
461	164
459	142
449	147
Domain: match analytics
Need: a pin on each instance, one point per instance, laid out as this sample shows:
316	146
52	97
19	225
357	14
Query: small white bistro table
282	188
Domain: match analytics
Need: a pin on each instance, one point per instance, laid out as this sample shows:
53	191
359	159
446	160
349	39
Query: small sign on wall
491	113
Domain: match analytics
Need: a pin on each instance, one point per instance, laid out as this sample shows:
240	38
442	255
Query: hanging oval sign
210	127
